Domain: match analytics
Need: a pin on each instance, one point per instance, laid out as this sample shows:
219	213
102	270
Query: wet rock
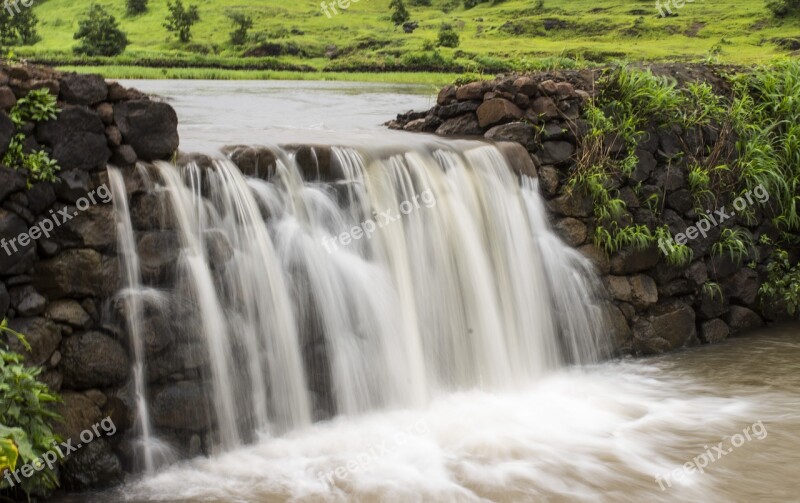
526	85
43	336
79	412
93	360
619	329
497	111
572	204
27	301
93	466
666	327
640	290
631	260
77	138
74	184
77	273
7	98
473	90
151	128
742	287
317	163
680	201
543	108
644	167
741	319
697	273
83	89
446	96
711	303
181	406
69	312
457	109
597	256
16	256
5	300
252	161
714	331
571	230
556	152
10	180
7	132
158	254
518	158
123	156
464	125
548	181
518	132
93	228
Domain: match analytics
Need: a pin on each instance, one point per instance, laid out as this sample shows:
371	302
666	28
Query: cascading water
416	272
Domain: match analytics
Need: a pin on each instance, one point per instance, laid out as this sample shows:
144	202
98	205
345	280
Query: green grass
507	35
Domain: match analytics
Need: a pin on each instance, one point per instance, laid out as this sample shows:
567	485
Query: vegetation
99	34
181	20
38	106
26	420
448	37
242	24
783	282
136	7
399	13
18	28
782	8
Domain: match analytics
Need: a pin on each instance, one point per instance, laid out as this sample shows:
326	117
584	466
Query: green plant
399	12
38	106
675	254
783	283
17	25
712	290
781	8
241	25
25	415
448	37
181	19
99	34
135	7
737	243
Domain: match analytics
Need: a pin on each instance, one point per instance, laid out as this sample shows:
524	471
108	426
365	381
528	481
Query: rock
43	336
93	228
681	201
7	132
7	98
77	273
41	197
472	91
571	230
466	125
27	301
548	87
527	86
10	181
77	138
714	331
618	328
645	166
741	319
631	260
69	312
79	413
697	273
123	156
565	90
315	162
446	96
597	256
572	204
456	109
711	304
548	181
669	178
257	162
556	152
666	327
640	290
74	184
181	406
543	107
158	254
669	142
93	466
114	136
151	128
497	111
742	287
522	101
106	113
518	158
83	89
14	257
517	132
93	360
5	300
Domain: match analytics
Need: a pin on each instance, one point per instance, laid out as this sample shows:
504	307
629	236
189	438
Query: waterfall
414	271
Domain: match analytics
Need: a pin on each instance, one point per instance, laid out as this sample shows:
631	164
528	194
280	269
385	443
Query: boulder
556	152
5	300
69	312
41	197
158	253
742	287
632	260
7	132
27	301
7	98
543	108
518	132
518	158
446	96
77	138
14	257
645	166
640	290
73	185
597	256
93	466
79	412
711	304
11	180
548	181
43	335
741	319
181	406
151	128
573	204
571	230
83	89
473	90
498	111
456	109
93	360
77	273
619	330
666	327
257	162
464	125
93	228
714	331
527	86
106	113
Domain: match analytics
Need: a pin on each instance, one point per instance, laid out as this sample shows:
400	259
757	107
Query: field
292	37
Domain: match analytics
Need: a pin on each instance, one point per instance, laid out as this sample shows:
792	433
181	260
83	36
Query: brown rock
543	107
498	111
472	91
7	98
526	85
446	96
571	230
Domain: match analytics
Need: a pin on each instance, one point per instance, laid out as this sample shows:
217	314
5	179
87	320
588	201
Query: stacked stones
655	307
56	289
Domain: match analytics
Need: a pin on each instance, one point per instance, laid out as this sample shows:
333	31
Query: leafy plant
675	254
25	416
783	283
448	37
712	290
181	19
735	242
136	7
781	8
17	25
38	106
99	34
399	12
241	25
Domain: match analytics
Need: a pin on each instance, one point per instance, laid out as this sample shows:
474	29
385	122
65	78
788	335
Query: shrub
99	34
241	24
399	13
781	8
181	19
420	3
38	106
136	7
448	36
26	421
18	27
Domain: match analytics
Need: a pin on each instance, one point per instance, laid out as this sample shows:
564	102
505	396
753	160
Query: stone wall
656	307
57	290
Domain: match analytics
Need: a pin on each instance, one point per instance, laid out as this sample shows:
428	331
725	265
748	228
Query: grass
495	37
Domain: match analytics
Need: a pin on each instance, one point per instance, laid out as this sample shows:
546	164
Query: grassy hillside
295	36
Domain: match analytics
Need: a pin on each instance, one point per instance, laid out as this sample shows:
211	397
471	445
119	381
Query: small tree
448	36
99	34
17	25
136	7
241	24
181	19
781	8
399	15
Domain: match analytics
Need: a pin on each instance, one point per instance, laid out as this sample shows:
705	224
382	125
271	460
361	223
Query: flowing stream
406	327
